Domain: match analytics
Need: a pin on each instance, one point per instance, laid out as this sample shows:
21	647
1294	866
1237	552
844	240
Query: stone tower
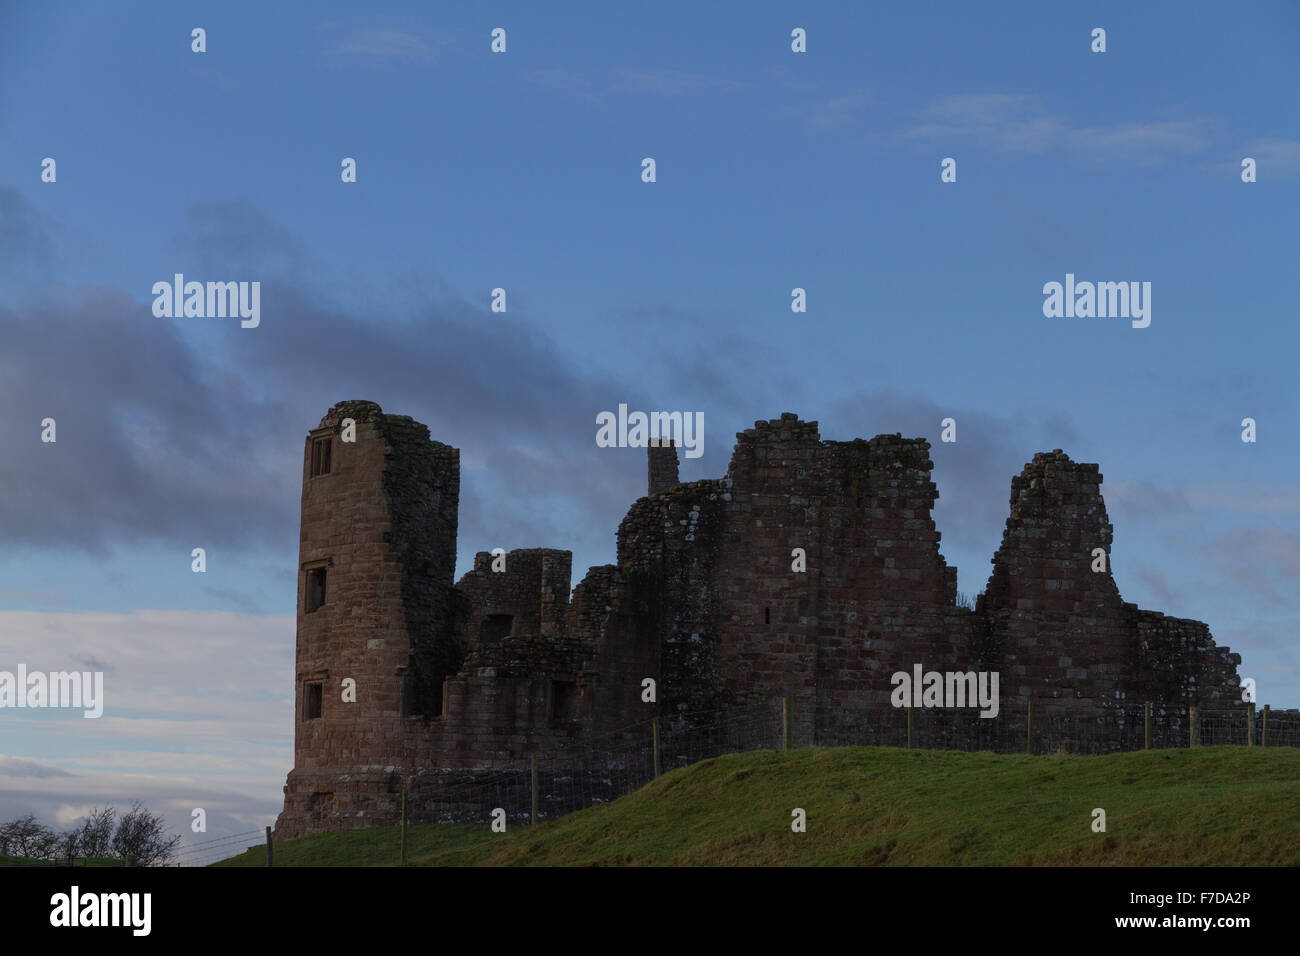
376	610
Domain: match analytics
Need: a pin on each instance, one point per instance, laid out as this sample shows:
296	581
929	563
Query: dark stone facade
475	677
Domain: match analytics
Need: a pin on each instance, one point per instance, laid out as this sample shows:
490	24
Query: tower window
312	696
767	615
496	627
315	589
564	700
320	457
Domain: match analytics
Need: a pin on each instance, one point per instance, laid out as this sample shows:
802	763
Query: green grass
81	861
379	846
873	806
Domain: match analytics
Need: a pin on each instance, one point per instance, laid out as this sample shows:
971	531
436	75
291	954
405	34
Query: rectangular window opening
312	698
315	589
564	700
496	627
320	457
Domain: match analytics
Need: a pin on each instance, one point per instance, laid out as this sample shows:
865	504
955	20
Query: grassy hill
872	806
80	861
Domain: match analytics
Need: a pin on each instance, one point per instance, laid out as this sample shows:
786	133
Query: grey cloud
18	767
1262	561
26	250
1157	585
159	441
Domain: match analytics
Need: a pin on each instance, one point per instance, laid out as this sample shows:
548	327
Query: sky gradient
522	170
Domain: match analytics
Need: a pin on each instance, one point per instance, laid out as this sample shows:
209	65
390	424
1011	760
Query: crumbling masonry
454	679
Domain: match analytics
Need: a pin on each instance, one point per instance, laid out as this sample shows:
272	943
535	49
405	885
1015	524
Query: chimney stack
663	465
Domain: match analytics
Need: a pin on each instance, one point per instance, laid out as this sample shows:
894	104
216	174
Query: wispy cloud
838	112
672	82
1157	585
1013	123
387	43
570	82
18	767
632	82
1262	561
1275	158
1243	498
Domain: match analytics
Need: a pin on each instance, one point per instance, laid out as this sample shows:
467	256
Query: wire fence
201	853
471	805
216	848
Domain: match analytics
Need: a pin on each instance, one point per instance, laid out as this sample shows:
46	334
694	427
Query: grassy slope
81	861
1213	805
379	846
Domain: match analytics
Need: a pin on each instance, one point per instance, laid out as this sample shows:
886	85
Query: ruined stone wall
618	615
669	545
708	599
1058	628
532	590
741	623
421	481
1177	664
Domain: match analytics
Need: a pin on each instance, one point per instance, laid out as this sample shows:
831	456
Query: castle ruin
454	679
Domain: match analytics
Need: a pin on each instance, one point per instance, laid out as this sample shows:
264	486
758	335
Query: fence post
268	846
654	727
909	726
1029	727
1194	726
1147	727
1264	740
532	818
1250	728
785	723
402	843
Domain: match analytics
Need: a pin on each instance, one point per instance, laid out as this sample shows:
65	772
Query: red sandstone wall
704	600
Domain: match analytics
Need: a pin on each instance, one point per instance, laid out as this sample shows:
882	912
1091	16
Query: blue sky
522	170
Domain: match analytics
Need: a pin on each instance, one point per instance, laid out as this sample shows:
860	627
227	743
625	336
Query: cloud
1143	144
26	250
188	431
150	438
198	713
387	43
41	596
1275	158
1014	123
564	81
631	82
1263	561
838	112
1158	586
672	82
1240	497
18	767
